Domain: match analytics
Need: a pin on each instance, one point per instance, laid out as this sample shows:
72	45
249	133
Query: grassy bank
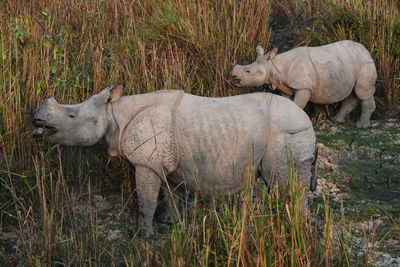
71	49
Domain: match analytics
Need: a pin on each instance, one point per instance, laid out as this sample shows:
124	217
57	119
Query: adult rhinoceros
322	75
170	136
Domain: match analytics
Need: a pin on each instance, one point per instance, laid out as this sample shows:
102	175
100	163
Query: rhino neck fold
273	74
124	111
121	126
113	132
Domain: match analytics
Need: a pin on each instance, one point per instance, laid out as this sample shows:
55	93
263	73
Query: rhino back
330	71
338	66
217	137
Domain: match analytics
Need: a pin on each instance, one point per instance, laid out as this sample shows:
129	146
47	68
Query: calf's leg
365	89
348	105
367	107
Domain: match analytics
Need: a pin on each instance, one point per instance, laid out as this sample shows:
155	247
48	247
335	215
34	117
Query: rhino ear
271	54
260	51
112	92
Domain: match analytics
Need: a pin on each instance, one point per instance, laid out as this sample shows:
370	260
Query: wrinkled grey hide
203	142
322	75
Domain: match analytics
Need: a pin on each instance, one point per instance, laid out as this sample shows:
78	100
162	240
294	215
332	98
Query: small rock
103	206
397	143
392	242
98	198
368	226
328	166
389	124
386	157
333	130
375	123
378	223
8	236
341	142
374	132
113	235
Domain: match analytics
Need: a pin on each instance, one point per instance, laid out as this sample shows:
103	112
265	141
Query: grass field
72	49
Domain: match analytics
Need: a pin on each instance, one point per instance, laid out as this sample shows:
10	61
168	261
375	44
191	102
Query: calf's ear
112	92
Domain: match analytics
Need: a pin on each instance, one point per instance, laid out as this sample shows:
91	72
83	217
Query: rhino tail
313	183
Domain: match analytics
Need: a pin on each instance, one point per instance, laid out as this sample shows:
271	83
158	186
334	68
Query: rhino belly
217	171
331	94
337	68
217	145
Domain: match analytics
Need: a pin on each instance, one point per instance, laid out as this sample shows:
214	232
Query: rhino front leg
148	186
301	97
348	105
367	107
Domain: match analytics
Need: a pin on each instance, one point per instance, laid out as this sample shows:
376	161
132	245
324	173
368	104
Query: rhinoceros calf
322	75
170	136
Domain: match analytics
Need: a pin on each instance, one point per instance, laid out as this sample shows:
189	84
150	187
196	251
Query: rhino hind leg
367	107
348	105
299	147
365	89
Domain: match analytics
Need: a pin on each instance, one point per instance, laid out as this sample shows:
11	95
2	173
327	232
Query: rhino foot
348	105
167	216
144	231
140	232
338	119
363	124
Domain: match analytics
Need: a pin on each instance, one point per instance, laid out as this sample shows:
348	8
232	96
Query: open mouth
233	80
42	130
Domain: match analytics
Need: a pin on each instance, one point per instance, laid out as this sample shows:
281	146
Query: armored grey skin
322	75
173	137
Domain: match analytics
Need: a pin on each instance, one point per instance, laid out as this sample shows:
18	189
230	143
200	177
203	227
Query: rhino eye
247	71
71	116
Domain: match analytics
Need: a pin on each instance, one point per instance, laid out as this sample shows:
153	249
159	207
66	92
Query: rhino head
81	124
256	73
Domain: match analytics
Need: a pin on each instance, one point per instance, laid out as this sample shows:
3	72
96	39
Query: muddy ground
360	169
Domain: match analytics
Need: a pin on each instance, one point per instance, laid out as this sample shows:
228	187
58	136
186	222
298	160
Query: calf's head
254	74
81	124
